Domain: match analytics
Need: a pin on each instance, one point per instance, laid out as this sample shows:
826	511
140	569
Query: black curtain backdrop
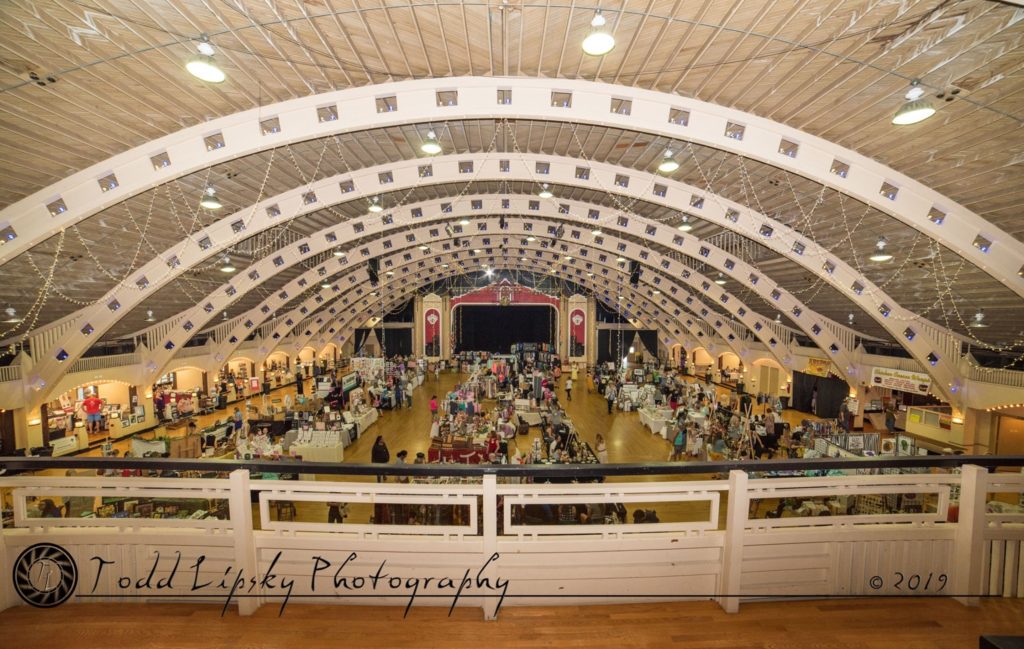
608	345
405	314
360	337
488	328
831	392
397	341
649	337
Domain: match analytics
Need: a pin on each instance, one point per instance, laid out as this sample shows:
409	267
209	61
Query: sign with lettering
818	366
914	382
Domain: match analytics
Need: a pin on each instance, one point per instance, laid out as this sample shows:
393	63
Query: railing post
490	534
6	596
732	552
240	507
969	542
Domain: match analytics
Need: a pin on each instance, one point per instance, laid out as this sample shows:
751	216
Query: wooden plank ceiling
835	68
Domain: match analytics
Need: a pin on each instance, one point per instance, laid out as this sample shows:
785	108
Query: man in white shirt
568	389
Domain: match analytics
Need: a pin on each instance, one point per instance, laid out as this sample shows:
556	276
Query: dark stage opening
484	328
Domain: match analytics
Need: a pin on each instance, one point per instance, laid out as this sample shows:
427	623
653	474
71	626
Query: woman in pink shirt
433	406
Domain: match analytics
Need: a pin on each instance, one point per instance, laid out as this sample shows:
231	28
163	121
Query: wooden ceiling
835	68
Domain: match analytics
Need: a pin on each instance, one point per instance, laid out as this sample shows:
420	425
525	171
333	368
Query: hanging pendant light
599	42
880	254
203	67
431	146
915	109
209	200
12	316
685	226
668	163
149	316
325	284
979	320
375	205
225	316
338	252
720	279
545	192
226	266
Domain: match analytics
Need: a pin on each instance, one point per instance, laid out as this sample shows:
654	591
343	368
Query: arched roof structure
300	170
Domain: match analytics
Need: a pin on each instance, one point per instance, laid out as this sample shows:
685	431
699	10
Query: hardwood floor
841	624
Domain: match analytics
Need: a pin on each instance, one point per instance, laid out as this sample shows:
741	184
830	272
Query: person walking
609	394
400	461
568	389
237	418
433	406
890	419
380	454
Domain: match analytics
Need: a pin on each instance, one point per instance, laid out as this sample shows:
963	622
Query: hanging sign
914	382
432	332
817	366
577	333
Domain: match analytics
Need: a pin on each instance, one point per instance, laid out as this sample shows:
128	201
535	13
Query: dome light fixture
720	279
685	226
668	163
464	222
431	146
632	349
375	205
226	266
338	252
596	232
325	284
531	238
915	109
12	316
979	320
209	200
203	67
545	192
778	317
149	316
599	42
224	316
880	254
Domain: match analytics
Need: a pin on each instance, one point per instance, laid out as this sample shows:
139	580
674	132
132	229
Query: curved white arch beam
241	134
405	175
662	311
194	319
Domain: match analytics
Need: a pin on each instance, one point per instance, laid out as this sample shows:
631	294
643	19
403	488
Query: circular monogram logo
45	575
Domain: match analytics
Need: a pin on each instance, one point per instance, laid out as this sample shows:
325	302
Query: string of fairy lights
944	278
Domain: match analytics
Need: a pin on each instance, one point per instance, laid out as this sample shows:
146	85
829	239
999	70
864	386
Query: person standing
93	405
433	406
601	449
890	419
337	512
379	454
609	394
237	418
400	461
568	389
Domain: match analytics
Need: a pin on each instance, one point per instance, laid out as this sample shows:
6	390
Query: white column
240	508
490	536
732	552
969	542
6	596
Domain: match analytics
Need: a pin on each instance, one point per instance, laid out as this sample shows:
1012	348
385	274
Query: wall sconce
35	422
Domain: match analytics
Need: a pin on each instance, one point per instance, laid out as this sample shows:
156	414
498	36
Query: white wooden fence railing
93	363
10	373
504	539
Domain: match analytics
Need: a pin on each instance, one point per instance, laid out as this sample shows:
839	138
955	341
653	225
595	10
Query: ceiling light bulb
778	317
621	260
225	316
598	42
668	164
531	238
596	232
204	68
209	200
325	284
205	48
464	222
915	109
431	146
545	192
720	279
149	316
880	253
685	225
338	252
375	206
489	272
226	267
979	320
12	315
